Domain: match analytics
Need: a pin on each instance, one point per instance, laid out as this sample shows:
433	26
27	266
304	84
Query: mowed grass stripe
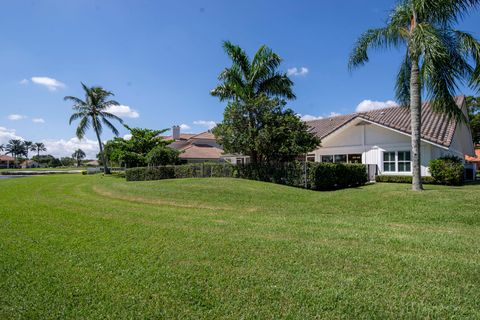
240	249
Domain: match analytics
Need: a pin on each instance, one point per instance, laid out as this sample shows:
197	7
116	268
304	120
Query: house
7	162
381	139
201	147
27	164
476	159
92	163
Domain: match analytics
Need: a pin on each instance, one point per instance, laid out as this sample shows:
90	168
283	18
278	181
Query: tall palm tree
16	148
437	58
38	147
78	155
2	147
248	81
92	112
28	147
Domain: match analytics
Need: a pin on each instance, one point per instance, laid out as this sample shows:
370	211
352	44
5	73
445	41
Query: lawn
93	247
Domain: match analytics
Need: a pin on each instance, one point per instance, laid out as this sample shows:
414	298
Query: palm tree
38	147
437	58
78	155
16	148
249	81
2	147
93	113
28	147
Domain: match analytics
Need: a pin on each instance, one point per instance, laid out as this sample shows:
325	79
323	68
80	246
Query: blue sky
161	59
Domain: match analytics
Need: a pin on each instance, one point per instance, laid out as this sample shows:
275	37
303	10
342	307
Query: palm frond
278	85
111	116
402	85
76	116
110	126
83	126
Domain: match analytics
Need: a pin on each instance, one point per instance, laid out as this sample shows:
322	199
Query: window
311	157
389	162
354	158
240	161
341	158
404	161
328	158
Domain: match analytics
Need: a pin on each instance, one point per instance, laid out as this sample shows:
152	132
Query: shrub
84	172
402	179
327	176
161	156
447	170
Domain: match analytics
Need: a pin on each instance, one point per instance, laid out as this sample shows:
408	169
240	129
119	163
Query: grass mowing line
144	200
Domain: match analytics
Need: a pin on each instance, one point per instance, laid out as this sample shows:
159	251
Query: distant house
201	147
27	164
476	159
92	163
382	139
7	162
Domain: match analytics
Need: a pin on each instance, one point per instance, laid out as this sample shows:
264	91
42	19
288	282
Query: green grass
92	247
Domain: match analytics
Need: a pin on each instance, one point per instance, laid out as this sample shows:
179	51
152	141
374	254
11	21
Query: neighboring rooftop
6	158
436	127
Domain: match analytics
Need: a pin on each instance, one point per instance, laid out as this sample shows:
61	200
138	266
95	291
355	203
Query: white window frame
404	161
396	161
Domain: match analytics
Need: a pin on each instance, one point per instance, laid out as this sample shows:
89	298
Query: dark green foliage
47	161
292	173
402	179
328	176
162	156
200	170
447	170
473	107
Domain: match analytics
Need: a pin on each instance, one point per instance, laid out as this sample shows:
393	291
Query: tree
161	156
92	112
2	147
437	57
133	152
28	147
38	147
277	136
473	105
16	148
78	155
255	90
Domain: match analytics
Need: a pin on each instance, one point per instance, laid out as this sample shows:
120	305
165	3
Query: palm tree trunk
100	146
416	118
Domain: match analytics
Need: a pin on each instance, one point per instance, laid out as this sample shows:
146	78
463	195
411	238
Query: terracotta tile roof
6	158
183	136
194	151
436	127
204	135
477	155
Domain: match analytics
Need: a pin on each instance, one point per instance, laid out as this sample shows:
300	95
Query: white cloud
65	148
308	117
297	71
123	111
50	83
16	117
334	114
38	120
367	105
24	81
184	126
127	137
7	134
205	123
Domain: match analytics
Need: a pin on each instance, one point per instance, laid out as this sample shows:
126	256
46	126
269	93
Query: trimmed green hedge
320	176
327	176
402	179
181	171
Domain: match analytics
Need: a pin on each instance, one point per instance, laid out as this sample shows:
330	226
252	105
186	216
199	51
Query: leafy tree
278	135
437	57
16	148
67	161
78	155
255	90
133	152
161	156
92	112
47	161
473	105
38	147
2	147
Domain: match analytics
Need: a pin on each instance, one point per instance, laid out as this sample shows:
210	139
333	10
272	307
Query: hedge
402	179
319	176
327	176
180	171
447	170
